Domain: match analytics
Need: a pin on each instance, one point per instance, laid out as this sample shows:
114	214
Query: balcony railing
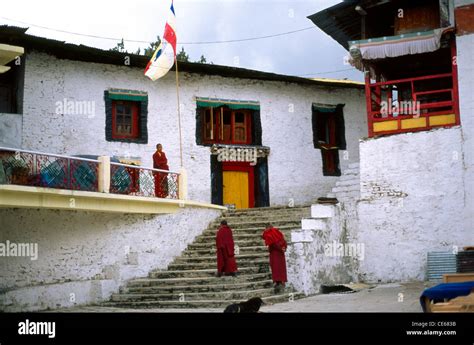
413	104
31	168
141	181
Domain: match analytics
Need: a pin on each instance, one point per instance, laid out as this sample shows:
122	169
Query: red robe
161	179
225	250
276	243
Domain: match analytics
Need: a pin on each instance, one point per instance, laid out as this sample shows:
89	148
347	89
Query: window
125	119
126	116
226	126
329	136
11	89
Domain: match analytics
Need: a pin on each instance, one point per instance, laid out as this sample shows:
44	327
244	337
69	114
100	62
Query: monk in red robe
226	263
276	243
161	179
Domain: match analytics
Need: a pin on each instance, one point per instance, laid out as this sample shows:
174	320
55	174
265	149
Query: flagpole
179	114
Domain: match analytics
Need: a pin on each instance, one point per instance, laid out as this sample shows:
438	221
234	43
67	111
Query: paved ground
402	297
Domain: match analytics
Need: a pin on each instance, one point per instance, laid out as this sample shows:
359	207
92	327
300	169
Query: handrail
48	154
145	168
407	80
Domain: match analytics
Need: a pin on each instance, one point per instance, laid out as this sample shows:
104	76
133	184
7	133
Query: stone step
192	275
256	224
265	209
348	177
252	230
285	297
355	165
212	251
264	216
252	241
209	265
243	237
212	258
348	195
349	170
223	284
345	189
204	273
352	182
192	296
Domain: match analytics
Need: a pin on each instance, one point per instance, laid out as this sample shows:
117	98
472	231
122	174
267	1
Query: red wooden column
454	67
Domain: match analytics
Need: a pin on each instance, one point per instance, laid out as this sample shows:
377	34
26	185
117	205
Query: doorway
238	185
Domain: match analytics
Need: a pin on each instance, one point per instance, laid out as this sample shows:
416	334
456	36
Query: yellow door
236	188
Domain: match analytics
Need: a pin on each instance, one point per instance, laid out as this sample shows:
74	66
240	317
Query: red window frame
217	129
135	110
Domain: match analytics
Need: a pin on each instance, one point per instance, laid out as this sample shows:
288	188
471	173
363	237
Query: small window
126	116
329	136
125	119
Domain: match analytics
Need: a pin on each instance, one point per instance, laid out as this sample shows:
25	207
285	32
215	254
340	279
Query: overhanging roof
340	21
18	36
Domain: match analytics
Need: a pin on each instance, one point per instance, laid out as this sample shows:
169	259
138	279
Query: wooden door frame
245	167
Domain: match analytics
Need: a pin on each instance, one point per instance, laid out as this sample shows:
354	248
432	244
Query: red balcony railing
30	168
141	181
413	104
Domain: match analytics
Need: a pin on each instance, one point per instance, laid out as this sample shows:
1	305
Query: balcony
43	180
412	104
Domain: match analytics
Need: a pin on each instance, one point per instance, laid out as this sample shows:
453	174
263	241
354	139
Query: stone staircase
347	188
190	281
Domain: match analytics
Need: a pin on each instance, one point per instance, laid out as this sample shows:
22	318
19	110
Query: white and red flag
164	56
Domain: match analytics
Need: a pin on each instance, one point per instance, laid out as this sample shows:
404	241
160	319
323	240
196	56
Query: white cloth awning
393	46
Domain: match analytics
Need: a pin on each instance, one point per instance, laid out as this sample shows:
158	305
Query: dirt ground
395	297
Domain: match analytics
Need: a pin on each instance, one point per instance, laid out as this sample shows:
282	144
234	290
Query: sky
308	53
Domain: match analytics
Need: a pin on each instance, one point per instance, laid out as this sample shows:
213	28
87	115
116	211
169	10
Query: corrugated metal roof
18	36
340	21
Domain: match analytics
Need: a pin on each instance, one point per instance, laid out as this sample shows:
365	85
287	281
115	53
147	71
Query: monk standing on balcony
161	179
226	263
276	243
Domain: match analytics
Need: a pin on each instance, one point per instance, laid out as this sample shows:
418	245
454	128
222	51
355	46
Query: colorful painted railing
38	169
413	104
30	168
141	181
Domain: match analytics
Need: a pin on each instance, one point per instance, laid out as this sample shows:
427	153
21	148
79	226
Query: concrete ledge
322	211
313	224
49	198
60	295
301	236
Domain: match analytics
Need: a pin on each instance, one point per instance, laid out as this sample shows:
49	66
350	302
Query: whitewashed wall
465	61
295	167
10	130
88	254
309	264
412	202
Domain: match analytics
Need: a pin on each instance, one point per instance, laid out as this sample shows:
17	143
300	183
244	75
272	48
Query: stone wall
88	254
412	201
